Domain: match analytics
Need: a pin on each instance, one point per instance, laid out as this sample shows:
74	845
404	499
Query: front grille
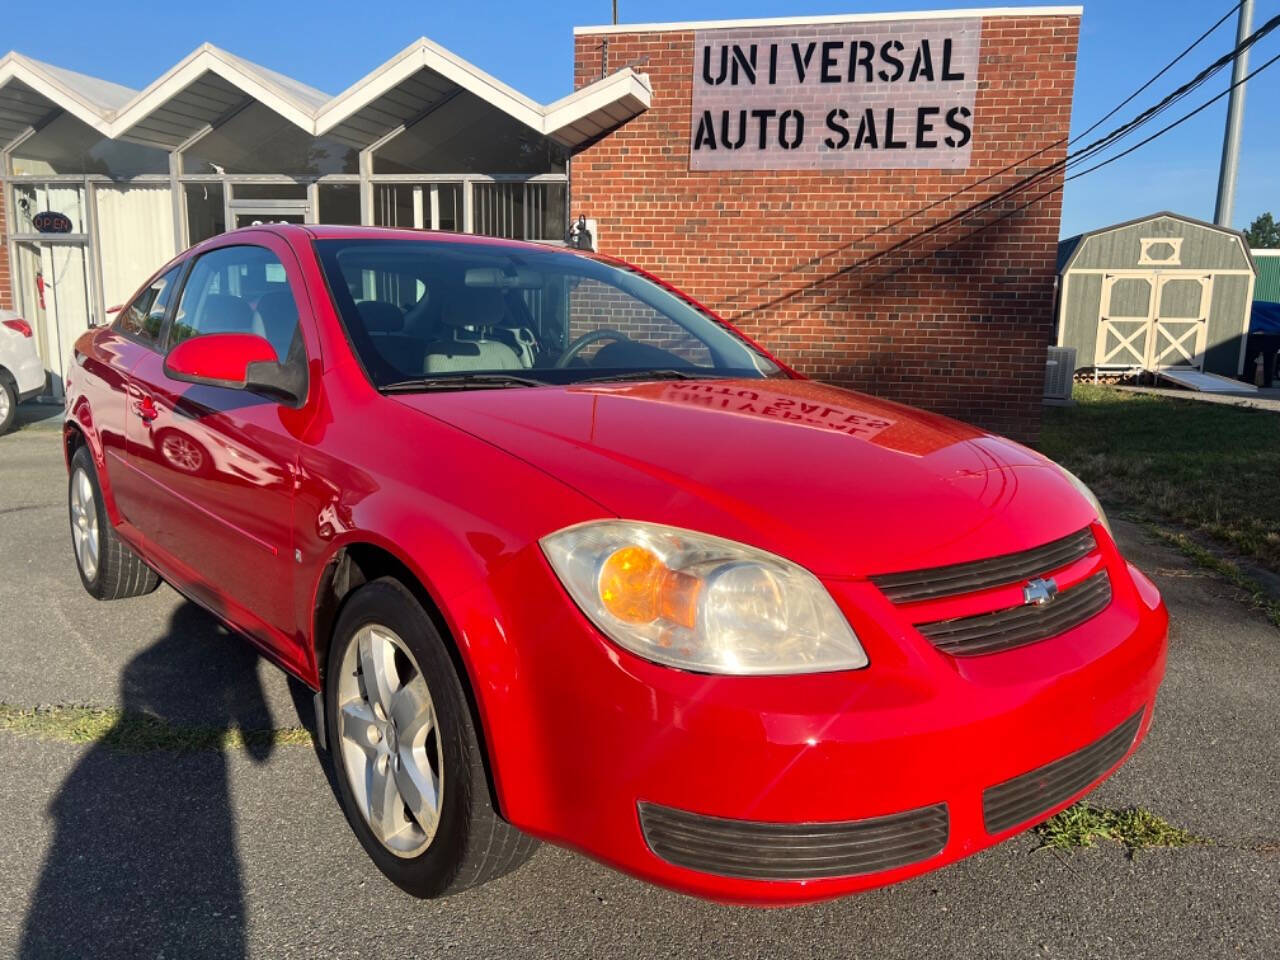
1024	797
977	575
1018	626
793	851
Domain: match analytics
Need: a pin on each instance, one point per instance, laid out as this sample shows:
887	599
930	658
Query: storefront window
33	199
257	140
467	135
268	191
66	145
393	205
519	211
339	203
206	215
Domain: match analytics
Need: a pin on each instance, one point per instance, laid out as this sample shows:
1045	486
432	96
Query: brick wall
6	275
820	265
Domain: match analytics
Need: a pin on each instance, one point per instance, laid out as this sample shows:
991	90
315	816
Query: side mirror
236	361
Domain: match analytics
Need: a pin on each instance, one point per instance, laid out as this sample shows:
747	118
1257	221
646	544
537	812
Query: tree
1263	233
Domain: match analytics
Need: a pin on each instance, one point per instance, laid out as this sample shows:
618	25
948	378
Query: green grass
1133	827
1209	467
1256	594
130	732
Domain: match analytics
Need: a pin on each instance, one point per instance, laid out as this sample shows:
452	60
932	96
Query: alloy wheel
84	523
389	741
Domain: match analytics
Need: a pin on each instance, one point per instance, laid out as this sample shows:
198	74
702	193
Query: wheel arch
357	562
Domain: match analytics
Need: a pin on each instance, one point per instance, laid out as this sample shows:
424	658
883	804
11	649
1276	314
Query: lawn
1209	467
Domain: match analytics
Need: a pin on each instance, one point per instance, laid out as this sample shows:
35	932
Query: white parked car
21	372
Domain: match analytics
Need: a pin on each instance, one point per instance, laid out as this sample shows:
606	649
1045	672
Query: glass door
54	287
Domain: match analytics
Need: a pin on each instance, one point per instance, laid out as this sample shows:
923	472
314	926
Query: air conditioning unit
1059	371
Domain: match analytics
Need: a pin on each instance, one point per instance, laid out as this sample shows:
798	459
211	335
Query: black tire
472	843
11	407
119	572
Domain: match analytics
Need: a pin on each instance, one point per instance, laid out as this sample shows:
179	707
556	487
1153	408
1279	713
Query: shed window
1161	250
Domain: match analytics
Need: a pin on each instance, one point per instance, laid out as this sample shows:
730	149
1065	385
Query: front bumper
590	736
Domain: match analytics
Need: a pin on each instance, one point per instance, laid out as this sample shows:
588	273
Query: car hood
843	483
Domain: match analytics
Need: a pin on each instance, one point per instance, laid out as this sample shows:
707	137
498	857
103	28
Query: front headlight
698	602
1088	495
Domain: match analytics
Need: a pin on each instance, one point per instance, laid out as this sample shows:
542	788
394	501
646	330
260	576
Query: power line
1085	153
1080	156
1163	70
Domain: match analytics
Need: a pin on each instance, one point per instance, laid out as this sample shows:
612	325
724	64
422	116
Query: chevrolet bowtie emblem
1038	592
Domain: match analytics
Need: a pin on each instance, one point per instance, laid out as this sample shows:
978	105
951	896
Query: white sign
839	96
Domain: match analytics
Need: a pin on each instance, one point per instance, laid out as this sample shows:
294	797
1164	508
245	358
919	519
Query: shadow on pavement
143	861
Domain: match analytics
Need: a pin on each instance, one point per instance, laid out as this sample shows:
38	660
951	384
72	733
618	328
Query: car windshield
432	315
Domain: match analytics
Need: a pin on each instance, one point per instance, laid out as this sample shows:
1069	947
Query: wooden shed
1162	292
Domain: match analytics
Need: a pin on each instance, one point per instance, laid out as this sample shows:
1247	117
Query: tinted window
238	290
143	318
426	308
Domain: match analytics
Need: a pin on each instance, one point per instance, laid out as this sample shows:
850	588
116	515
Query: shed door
1153	320
1181	323
1124	320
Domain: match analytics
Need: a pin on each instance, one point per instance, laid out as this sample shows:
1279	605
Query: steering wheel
584	341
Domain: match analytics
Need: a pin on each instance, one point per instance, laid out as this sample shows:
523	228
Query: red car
568	557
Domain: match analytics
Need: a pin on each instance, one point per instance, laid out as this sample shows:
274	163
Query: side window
143	318
238	290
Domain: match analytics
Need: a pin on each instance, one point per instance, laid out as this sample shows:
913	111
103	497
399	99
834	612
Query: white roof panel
189	94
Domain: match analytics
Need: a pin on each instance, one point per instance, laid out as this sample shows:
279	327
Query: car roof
321	231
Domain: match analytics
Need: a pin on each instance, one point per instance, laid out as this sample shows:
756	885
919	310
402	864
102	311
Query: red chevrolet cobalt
570	558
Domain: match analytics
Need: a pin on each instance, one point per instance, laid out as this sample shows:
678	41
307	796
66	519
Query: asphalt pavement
246	852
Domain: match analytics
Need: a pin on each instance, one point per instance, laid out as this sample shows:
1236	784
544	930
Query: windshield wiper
460	381
671	373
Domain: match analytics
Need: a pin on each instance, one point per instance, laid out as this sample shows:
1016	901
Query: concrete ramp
1206	382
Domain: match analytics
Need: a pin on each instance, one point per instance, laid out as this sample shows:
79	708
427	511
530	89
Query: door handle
146	409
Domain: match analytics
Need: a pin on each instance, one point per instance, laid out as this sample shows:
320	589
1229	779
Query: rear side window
143	318
238	290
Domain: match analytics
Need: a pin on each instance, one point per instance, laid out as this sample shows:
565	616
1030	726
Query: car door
219	464
134	334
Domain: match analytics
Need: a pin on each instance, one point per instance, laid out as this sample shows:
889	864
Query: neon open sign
50	222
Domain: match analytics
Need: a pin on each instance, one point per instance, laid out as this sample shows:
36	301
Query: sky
529	45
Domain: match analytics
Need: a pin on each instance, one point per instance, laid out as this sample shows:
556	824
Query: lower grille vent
794	851
1022	798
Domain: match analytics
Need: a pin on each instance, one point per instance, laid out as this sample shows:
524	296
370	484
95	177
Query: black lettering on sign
867	131
706	65
889	142
797	119
802	65
728	142
956	118
891	59
922	66
773	63
706	135
763	116
835	123
923	127
829	48
866	53
947	73
747	65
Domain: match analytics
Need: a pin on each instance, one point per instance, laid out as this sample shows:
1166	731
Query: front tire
108	569
410	775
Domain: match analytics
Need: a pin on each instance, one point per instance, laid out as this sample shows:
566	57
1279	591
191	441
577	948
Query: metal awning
210	83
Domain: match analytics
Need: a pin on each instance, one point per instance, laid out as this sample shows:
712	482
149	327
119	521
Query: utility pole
1225	207
615	12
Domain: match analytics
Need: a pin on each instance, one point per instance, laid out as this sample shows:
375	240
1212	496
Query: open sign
50	222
